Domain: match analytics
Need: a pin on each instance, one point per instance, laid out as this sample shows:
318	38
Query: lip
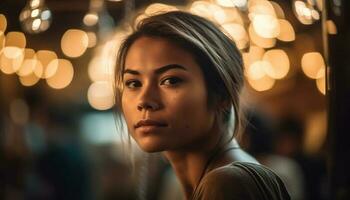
149	123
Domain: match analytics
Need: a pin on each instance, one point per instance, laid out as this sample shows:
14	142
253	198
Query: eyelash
172	82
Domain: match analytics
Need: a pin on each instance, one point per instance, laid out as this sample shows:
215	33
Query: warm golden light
11	59
100	70
266	26
2	40
159	8
303	13
3	23
19	111
63	75
29	62
278	10
321	85
16	39
28	67
92	39
263	84
319	4
315	132
52	68
209	11
260	7
287	33
36	24
256	70
232	15
255	54
331	28
90	19
260	41
34	4
45	57
12	52
74	43
312	63
279	63
232	3
28	80
101	95
237	33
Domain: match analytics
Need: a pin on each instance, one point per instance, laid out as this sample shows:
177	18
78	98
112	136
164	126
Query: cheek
189	108
127	109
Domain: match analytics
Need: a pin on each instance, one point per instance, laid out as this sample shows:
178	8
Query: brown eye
171	81
132	84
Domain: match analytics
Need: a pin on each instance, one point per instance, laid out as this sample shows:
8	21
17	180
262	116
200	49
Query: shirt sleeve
241	182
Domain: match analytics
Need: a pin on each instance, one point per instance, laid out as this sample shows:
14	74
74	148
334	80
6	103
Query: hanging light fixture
35	17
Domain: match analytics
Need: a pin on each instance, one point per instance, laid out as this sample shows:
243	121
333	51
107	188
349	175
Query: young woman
179	80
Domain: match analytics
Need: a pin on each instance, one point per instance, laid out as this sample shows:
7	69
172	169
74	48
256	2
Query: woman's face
164	100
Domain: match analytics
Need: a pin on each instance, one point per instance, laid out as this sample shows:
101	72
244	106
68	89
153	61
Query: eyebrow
157	71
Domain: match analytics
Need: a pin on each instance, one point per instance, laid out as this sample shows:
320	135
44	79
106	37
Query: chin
151	146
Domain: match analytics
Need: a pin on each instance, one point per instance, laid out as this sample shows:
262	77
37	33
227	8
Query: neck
189	166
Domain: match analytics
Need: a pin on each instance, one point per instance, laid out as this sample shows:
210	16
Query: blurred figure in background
258	139
289	143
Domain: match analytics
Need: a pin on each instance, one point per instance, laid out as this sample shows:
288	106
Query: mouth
149	123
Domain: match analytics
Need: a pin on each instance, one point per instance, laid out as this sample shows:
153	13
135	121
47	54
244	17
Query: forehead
154	52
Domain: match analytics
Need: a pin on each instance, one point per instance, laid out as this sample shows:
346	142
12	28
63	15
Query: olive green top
241	181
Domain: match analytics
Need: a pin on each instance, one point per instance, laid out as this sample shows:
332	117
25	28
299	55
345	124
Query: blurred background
58	138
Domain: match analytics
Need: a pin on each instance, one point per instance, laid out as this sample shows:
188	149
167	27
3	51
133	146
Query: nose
149	99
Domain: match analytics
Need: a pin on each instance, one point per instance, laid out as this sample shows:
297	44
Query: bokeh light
45	57
3	23
255	53
260	41
237	33
266	26
321	81
2	40
279	64
287	33
100	70
209	11
35	17
11	59
101	95
90	19
16	39
278	10
311	64
158	8
331	27
92	39
74	43
29	80
256	70
232	3
29	63
262	84
305	12
62	71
